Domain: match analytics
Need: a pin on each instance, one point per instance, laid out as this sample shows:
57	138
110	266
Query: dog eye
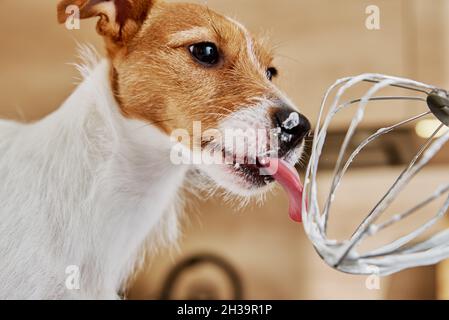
205	53
271	73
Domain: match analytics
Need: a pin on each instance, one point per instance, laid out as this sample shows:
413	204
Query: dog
86	190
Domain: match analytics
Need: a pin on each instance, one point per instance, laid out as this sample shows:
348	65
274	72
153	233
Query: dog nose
292	127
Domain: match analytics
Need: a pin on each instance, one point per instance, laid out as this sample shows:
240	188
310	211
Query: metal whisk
405	251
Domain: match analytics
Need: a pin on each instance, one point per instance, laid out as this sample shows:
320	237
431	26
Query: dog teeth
286	137
264	161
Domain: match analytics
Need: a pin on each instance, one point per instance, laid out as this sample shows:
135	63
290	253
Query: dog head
174	65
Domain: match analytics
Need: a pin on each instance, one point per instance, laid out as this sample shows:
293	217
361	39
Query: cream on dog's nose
293	128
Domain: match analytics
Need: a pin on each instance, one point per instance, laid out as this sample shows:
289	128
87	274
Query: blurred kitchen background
257	253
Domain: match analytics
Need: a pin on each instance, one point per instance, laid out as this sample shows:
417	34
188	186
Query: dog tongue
287	176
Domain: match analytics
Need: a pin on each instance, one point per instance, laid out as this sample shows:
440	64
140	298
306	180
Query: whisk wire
397	254
387	198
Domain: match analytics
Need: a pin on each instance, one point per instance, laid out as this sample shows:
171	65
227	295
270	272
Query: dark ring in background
195	261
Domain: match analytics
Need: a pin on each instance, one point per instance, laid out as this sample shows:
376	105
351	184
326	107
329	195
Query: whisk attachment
405	251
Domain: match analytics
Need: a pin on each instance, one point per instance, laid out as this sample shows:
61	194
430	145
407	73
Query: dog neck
123	184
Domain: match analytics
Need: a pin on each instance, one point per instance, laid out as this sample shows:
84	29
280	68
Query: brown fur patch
156	79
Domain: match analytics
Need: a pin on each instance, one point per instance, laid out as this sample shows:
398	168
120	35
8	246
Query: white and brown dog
93	184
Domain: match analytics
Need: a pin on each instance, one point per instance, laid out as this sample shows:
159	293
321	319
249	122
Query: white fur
82	187
87	187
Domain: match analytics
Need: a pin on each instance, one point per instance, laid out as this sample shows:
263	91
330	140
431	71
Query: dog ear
119	20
